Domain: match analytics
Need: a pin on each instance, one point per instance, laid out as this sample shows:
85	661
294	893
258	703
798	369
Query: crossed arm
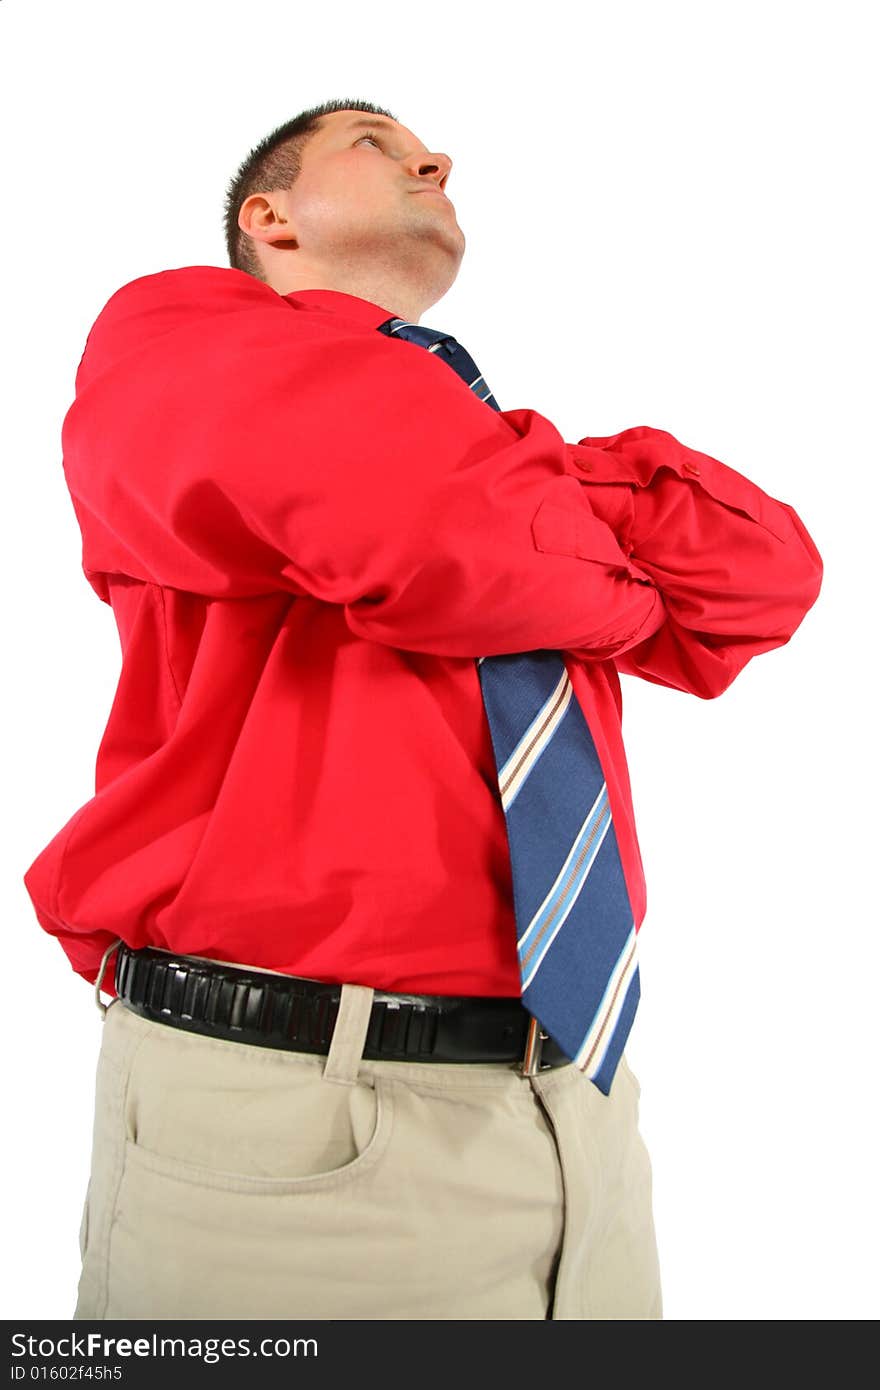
221	443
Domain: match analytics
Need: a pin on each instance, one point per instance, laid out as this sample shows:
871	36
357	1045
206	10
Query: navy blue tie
576	933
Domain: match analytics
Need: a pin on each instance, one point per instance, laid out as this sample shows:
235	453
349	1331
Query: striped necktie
576	934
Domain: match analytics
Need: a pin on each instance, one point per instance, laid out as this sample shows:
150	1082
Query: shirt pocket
664	451
564	525
727	486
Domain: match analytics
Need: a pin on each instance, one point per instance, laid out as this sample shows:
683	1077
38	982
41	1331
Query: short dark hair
276	162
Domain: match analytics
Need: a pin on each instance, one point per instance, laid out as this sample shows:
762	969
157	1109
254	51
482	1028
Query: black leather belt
269	1010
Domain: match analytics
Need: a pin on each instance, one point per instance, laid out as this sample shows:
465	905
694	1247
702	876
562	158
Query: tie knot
450	351
430	338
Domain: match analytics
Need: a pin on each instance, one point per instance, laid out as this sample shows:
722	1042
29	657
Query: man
337	566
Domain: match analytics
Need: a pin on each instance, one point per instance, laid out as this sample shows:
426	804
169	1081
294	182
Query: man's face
368	186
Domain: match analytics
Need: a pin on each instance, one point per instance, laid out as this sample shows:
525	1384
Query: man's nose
435	166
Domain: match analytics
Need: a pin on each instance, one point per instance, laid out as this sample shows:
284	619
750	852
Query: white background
669	222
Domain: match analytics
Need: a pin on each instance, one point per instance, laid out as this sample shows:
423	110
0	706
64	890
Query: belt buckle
535	1039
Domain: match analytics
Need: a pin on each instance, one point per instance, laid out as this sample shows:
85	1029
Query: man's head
345	197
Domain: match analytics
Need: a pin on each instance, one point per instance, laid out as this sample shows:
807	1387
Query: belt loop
535	1038
101	968
349	1034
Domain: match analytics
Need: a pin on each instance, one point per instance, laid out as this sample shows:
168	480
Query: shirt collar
348	306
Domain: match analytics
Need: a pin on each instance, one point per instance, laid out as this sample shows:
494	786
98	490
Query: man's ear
264	221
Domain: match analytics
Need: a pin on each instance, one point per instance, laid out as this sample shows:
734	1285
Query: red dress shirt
307	532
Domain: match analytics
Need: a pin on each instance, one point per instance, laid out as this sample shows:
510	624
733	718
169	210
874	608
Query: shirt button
585	464
691	468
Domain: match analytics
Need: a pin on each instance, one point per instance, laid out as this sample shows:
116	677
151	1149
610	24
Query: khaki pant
235	1181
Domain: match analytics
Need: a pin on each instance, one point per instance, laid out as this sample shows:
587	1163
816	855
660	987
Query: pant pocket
190	1240
343	1132
624	1066
215	1113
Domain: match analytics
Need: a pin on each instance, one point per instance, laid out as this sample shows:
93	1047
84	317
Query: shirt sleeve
737	569
224	442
